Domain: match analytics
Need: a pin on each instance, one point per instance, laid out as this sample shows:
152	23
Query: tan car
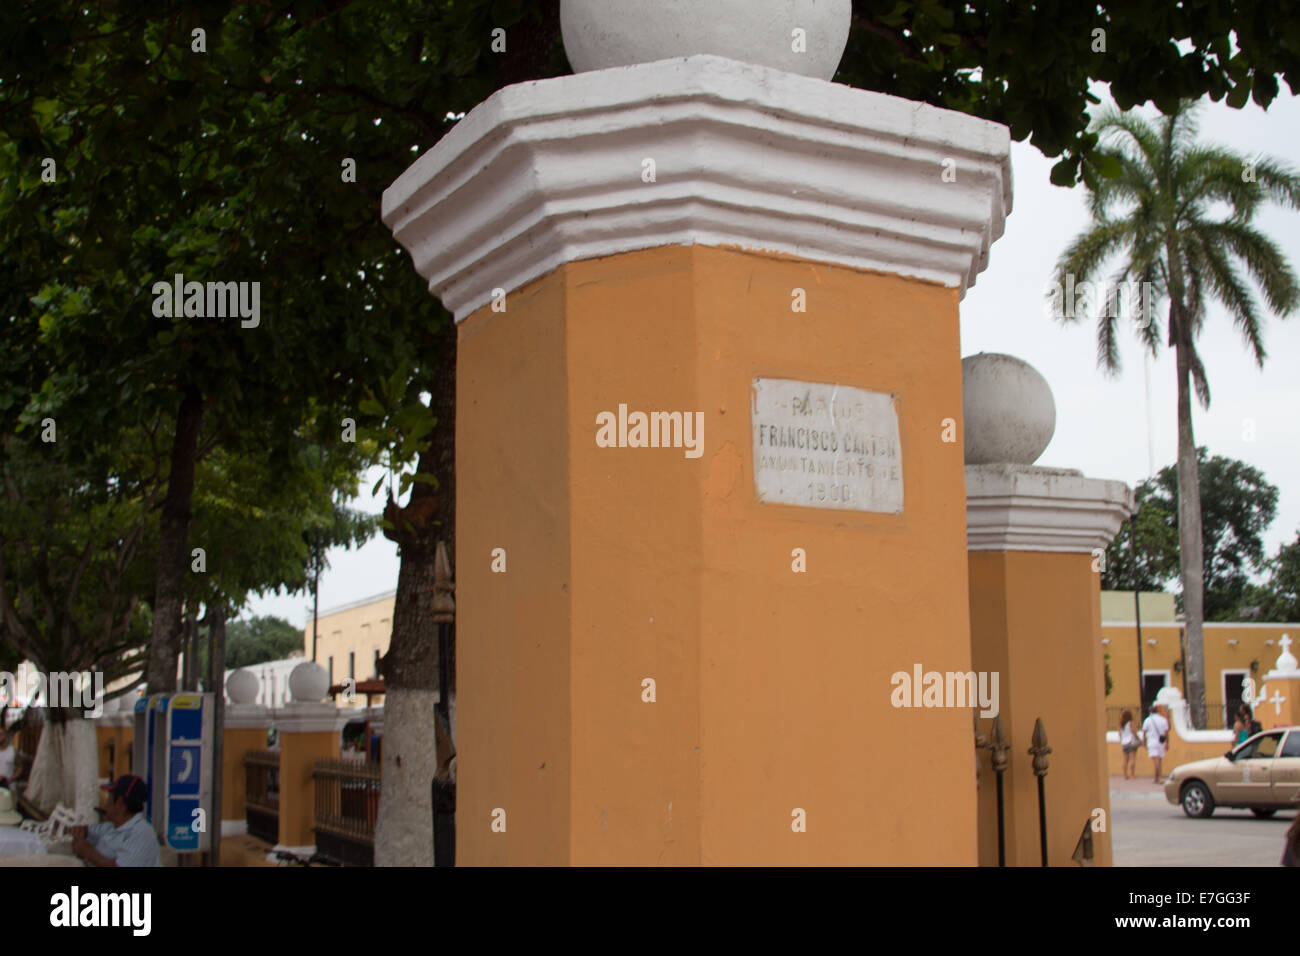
1261	774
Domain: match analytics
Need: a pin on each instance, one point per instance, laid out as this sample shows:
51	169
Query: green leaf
1064	172
1239	95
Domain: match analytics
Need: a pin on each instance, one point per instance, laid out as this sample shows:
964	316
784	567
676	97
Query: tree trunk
173	548
1190	553
66	770
411	752
216	681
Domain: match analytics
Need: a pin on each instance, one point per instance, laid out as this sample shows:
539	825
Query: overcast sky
1101	422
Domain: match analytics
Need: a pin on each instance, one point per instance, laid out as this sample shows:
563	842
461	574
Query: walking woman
1128	741
1242	724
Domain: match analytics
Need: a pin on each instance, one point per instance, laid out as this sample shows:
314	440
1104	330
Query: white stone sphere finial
308	683
798	36
242	687
1009	412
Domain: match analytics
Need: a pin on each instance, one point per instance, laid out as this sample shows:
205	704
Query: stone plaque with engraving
826	446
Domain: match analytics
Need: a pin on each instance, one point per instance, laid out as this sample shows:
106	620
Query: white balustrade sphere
599	34
1008	409
242	687
308	682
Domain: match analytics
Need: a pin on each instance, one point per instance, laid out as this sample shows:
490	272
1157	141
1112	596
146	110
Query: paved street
1148	831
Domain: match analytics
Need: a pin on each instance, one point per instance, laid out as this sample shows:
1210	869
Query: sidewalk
1136	789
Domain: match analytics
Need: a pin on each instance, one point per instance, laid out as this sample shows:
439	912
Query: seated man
126	839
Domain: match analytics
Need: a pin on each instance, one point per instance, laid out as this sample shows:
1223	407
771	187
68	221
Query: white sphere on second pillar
308	683
1008	409
798	36
242	687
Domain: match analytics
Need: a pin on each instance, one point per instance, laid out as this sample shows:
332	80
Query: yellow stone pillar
245	729
308	730
114	733
1036	538
239	740
676	647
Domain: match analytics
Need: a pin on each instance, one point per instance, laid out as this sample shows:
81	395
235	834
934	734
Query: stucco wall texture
1035	617
773	687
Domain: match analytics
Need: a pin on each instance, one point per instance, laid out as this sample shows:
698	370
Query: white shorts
1156	750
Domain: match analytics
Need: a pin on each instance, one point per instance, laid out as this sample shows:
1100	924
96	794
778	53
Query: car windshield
1261	747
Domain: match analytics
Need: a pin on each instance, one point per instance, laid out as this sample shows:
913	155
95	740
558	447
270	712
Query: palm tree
1178	214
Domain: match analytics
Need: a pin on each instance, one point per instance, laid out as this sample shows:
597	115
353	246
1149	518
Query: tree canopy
1237	504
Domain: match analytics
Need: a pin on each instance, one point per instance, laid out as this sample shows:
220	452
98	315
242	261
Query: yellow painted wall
234	779
121	739
298	755
512	629
1220	655
361	630
1035	618
773	687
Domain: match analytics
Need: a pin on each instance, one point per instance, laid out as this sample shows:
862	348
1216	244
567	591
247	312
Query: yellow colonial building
1233	651
351	638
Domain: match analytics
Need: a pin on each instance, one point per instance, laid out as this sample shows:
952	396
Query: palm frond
1133	185
1279	182
1199	381
1209	174
1213	266
1180	130
1262	259
1149	328
1123	130
1084	258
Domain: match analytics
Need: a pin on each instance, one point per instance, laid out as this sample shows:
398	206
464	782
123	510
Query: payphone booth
150	726
186	780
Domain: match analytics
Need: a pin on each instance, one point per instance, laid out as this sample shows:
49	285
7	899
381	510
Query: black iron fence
347	805
262	794
1216	715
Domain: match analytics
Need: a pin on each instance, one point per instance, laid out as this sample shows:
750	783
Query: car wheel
1263	812
1196	800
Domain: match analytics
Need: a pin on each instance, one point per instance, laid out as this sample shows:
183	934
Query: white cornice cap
1024	508
745	156
302	717
247	717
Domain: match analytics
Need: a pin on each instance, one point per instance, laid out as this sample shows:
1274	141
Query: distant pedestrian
1242	724
1128	742
1155	737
